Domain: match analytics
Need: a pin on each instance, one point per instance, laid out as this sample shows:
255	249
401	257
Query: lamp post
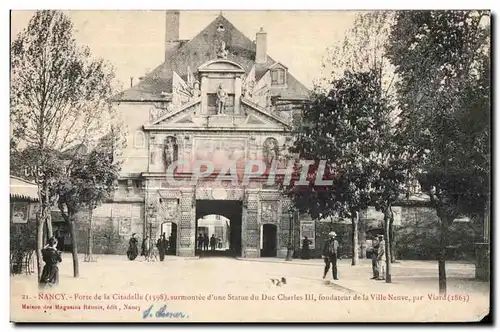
289	248
151	214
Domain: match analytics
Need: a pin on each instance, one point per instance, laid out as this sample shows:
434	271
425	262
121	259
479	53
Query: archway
269	240
221	218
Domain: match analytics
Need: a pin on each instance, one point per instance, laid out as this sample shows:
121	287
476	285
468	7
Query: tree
90	180
363	50
392	170
98	177
59	98
341	127
442	60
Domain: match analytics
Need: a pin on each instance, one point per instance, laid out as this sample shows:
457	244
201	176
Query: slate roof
203	48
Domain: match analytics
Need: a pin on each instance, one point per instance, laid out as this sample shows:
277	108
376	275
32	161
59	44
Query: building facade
219	98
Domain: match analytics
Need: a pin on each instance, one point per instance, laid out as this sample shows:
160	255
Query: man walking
374	249
381	258
330	253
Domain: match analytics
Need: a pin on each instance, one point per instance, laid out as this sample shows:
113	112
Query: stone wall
112	225
415	238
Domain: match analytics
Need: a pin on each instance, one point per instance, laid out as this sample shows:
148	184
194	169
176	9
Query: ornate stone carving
170	209
125	226
158	110
222	52
270	150
269	212
170	150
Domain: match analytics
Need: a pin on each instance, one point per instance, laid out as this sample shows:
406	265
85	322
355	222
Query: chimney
261	47
172	42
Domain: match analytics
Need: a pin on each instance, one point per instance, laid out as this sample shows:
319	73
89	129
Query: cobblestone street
234	281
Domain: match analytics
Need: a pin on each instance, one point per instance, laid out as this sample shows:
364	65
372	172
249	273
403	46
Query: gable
201	49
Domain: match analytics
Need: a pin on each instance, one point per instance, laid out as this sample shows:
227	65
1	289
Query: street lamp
151	214
289	247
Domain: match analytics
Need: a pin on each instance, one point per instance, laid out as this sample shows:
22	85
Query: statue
222	52
170	151
270	150
196	90
221	100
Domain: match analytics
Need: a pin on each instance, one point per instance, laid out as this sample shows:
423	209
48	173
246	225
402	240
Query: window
139	140
278	77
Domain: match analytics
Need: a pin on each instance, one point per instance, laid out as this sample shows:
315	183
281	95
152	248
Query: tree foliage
59	100
442	60
343	127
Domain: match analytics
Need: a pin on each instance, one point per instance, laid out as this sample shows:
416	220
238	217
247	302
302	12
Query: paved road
226	289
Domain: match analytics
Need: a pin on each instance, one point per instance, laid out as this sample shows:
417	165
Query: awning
23	189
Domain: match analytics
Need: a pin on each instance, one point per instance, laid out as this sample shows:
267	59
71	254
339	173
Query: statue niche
170	150
271	150
221	100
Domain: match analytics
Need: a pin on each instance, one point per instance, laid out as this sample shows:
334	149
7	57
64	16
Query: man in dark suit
330	253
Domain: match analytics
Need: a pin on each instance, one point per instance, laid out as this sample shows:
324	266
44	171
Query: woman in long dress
51	257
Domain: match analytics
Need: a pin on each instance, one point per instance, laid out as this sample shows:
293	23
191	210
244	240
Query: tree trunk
39	244
47	216
443	234
388	256
50	230
90	246
355	249
74	250
393	240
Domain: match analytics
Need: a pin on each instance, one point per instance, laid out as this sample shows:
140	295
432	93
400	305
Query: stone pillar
204	97
283	230
186	227
237	95
250	227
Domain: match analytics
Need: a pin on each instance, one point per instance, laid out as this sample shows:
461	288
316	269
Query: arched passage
230	221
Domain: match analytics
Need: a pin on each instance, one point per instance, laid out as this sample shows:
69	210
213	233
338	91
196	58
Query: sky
133	41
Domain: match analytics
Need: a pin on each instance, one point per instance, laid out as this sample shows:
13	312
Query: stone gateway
213	99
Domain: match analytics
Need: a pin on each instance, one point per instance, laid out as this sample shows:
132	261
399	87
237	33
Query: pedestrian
330	253
51	256
200	242
132	248
206	241
305	248
381	258
213	242
374	251
160	244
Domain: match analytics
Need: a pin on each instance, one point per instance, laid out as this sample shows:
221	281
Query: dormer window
278	76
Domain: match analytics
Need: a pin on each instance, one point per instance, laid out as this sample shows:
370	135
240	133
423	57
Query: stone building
217	97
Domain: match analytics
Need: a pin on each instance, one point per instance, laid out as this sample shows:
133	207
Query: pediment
221	65
251	117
